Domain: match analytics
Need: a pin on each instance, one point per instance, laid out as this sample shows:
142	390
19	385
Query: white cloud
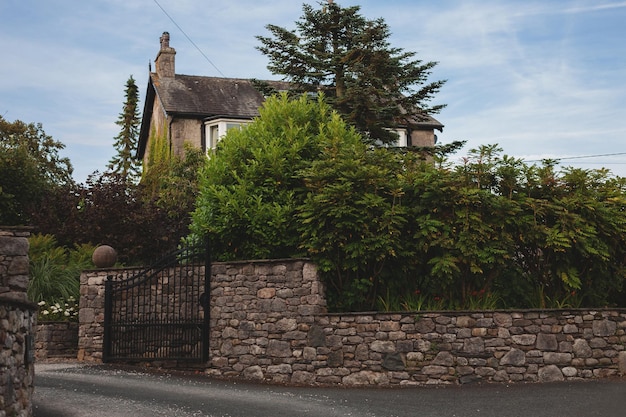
539	78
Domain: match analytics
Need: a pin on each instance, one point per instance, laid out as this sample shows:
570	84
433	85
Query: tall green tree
124	163
30	165
338	51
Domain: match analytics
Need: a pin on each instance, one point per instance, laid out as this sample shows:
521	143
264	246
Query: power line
189	39
578	157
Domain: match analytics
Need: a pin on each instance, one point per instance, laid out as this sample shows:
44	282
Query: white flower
66	314
45	312
41	303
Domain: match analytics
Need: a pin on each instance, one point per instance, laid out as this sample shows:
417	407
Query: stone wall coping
19	303
467	312
258	261
17	228
253	261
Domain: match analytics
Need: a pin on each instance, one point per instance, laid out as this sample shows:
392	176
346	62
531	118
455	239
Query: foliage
158	161
55	270
175	187
30	165
124	163
491	232
58	311
250	188
141	224
337	51
352	218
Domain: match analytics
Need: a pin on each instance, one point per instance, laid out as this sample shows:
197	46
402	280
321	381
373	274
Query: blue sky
543	79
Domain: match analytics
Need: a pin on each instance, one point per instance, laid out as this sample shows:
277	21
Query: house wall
17	320
423	138
177	130
158	127
269	323
185	130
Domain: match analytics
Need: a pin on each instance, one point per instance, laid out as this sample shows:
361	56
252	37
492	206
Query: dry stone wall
91	311
458	347
269	323
56	340
17	319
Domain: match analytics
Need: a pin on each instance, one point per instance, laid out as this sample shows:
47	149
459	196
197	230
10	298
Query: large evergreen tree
336	50
126	141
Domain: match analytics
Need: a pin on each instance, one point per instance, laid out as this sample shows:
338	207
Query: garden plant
395	229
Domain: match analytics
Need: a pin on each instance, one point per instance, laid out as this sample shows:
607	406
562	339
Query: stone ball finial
104	256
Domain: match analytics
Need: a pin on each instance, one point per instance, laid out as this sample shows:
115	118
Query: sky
539	78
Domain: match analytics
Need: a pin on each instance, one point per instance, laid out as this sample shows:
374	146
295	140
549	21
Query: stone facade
17	318
58	339
464	347
269	323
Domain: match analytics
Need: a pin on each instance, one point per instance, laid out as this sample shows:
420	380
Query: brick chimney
164	61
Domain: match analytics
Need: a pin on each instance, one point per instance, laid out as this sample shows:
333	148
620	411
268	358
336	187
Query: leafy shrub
55	270
250	188
491	232
58	311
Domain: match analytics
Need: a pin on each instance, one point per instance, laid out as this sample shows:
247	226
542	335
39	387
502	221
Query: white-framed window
403	139
216	129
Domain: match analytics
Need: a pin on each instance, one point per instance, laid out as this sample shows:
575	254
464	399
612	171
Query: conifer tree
336	50
126	141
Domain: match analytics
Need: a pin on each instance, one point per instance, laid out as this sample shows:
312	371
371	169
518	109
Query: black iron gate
162	312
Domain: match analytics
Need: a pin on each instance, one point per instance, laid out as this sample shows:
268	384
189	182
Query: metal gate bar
162	312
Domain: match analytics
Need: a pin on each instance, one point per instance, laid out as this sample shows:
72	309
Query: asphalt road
78	390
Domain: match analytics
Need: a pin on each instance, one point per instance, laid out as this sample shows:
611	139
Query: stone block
444	359
302	378
266	293
479	332
434	370
570	328
383	346
550	373
278	348
474	345
465	321
389	326
604	328
335	358
581	349
365	378
555	358
514	357
524	339
503	319
394	362
547	342
622	363
425	325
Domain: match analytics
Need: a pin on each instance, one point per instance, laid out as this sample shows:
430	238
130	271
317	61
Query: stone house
199	109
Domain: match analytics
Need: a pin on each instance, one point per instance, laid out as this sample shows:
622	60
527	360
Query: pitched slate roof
209	96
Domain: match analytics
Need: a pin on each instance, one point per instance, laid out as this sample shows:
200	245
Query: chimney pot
165	60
